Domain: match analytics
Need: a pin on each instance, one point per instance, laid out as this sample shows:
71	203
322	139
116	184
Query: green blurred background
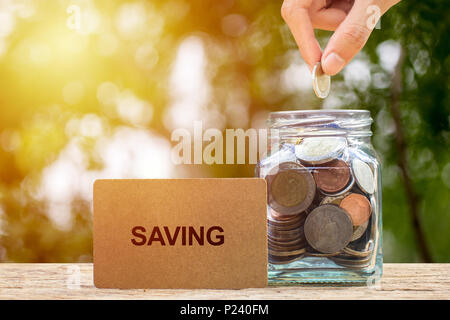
93	89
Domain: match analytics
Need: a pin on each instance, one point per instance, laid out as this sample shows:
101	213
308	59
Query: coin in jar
336	200
291	188
358	231
328	229
283	217
287	244
332	176
364	176
289	220
283	247
287	234
358	207
288	227
287	253
319	150
284	260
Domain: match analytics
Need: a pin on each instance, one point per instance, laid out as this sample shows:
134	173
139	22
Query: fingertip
332	64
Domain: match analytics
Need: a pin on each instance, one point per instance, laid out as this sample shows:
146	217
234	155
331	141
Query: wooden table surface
59	281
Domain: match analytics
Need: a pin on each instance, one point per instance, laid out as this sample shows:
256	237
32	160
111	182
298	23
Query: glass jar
324	198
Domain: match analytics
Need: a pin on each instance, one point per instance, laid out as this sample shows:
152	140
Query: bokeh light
93	89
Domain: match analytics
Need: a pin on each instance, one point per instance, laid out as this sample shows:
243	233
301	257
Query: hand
352	20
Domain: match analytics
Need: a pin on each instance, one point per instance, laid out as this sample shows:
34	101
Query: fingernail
333	64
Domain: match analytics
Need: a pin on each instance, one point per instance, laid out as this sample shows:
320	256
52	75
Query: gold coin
289	188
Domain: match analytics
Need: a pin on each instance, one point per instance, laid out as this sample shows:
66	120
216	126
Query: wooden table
59	281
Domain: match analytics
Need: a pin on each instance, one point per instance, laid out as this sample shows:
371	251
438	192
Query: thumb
351	36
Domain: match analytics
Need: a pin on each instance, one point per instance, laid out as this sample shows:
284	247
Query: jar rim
350	122
282	114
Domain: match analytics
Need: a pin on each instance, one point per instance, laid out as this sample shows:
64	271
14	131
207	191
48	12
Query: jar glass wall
324	197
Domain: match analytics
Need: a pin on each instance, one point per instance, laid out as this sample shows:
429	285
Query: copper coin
328	229
288	220
288	238
333	176
278	216
284	228
291	188
284	243
358	207
276	247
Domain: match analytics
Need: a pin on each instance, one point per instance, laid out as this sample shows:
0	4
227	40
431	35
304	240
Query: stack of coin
286	238
321	204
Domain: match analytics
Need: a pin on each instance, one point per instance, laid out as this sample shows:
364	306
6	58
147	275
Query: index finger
296	15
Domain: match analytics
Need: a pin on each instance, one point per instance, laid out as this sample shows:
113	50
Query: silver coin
358	231
321	81
328	229
363	176
319	150
373	203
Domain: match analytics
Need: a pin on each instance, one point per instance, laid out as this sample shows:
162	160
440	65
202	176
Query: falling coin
358	207
364	176
321	81
328	229
333	176
291	188
319	150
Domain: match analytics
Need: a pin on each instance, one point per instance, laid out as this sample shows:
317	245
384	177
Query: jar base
323	271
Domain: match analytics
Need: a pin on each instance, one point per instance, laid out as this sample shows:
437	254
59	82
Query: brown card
180	233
